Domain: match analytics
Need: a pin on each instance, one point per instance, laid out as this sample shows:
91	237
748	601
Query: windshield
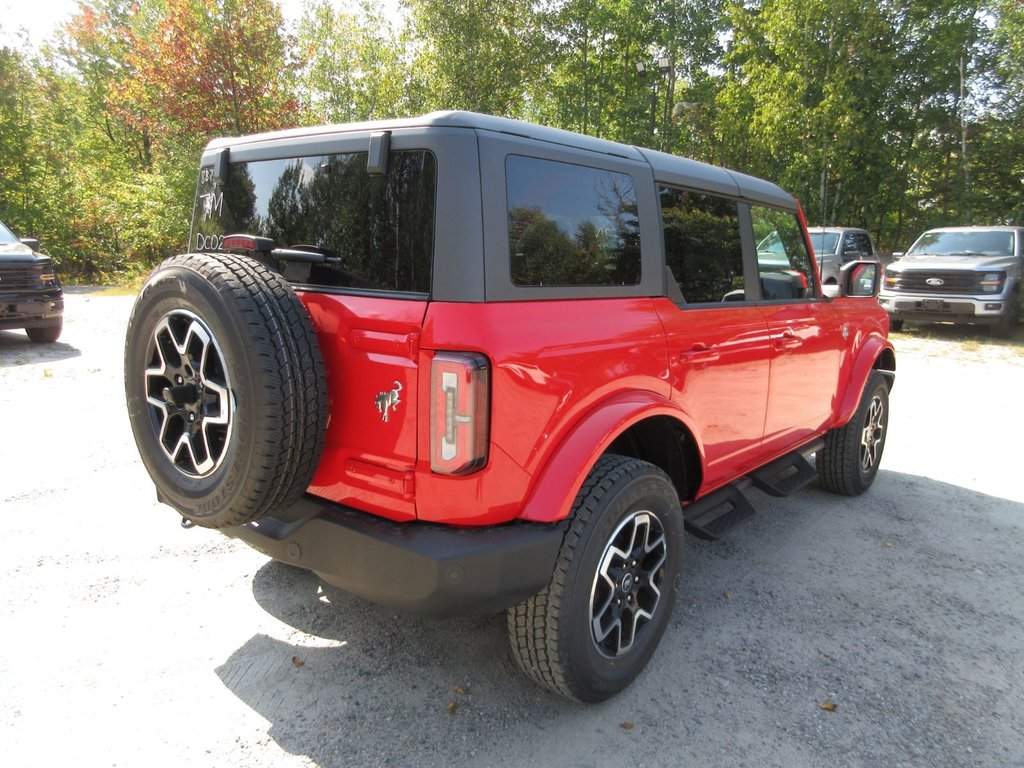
824	242
985	242
6	236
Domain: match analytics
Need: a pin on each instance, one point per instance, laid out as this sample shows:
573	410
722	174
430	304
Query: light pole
664	66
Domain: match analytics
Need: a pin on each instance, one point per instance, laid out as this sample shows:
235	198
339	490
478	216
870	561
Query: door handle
701	353
787	340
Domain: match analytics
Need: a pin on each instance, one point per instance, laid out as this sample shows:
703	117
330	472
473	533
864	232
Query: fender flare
874	348
551	498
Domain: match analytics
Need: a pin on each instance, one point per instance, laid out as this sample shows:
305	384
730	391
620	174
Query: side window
857	244
571	225
783	264
702	245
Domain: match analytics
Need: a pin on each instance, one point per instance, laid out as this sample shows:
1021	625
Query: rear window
571	225
381	227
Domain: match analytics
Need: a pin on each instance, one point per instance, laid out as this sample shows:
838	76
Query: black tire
553	635
225	387
1004	327
849	461
895	325
46	334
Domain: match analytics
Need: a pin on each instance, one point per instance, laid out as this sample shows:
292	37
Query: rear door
717	337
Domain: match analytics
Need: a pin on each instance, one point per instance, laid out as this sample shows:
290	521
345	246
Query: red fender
555	490
873	348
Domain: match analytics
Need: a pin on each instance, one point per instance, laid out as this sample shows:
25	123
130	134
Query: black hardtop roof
670	169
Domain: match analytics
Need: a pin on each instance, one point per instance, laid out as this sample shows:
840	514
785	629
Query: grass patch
967	338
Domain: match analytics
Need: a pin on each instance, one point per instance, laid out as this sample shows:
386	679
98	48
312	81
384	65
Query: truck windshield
6	236
984	242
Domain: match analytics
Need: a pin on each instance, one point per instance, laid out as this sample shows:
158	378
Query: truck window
381	226
571	225
702	245
784	265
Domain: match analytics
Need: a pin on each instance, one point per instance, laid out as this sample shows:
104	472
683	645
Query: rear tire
849	461
592	630
225	387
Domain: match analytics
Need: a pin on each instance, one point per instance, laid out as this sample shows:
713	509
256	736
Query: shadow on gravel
17	349
900	607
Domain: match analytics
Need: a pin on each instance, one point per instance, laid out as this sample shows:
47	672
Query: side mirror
860	279
31	242
896	254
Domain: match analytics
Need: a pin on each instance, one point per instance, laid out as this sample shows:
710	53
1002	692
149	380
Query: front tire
46	334
225	387
849	461
593	629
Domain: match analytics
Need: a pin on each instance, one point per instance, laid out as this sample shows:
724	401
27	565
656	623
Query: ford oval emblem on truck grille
935	281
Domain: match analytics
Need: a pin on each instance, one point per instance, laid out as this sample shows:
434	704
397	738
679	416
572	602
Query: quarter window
702	245
571	225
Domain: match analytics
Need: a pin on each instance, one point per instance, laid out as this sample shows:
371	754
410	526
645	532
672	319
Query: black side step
718	512
713	515
790	473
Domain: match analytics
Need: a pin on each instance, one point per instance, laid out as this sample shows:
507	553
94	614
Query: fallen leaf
297	662
47	373
727	595
462	690
627	726
888	545
828	706
453	707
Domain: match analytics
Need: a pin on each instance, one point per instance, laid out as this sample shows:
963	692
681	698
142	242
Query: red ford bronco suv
461	363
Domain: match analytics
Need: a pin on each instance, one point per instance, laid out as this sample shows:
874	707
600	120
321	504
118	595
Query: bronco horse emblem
387	401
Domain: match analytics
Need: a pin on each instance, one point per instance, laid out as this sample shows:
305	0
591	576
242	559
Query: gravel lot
129	641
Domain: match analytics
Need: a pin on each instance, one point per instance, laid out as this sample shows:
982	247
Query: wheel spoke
872	436
189	394
626	588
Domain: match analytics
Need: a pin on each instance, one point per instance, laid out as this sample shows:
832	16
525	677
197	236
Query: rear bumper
422	568
24	312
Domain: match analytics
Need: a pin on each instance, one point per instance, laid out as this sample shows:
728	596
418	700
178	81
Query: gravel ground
129	641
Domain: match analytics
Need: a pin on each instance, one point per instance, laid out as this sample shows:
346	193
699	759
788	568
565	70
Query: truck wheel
849	461
46	334
895	325
591	631
1006	325
225	387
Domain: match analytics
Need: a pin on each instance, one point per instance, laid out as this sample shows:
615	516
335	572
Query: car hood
19	253
931	261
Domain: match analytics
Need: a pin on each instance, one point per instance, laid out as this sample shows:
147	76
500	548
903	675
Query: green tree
482	55
351	65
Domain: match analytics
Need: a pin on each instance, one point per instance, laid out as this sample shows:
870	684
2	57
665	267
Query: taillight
459	413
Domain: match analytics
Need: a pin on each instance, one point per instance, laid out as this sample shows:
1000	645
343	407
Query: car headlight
992	282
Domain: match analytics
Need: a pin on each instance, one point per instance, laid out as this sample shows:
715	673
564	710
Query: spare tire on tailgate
225	387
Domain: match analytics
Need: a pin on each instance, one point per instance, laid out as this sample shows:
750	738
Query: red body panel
748	382
370	348
720	358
